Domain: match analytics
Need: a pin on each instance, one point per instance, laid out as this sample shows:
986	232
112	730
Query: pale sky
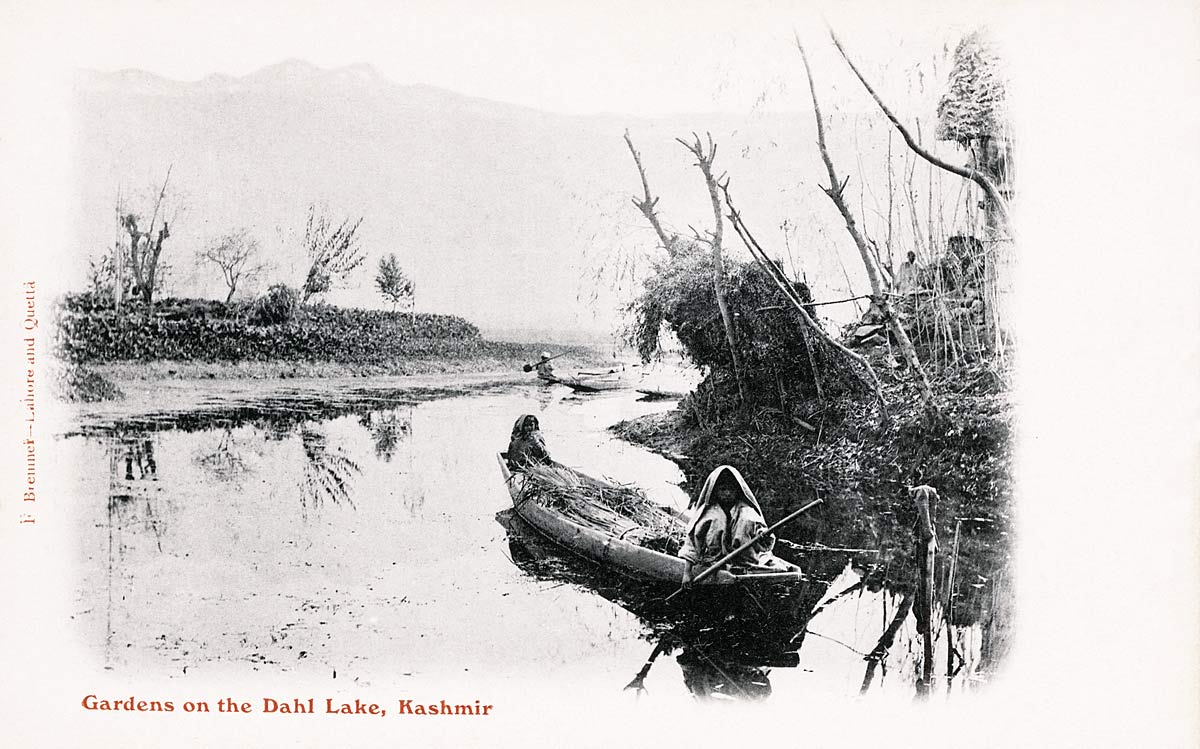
642	58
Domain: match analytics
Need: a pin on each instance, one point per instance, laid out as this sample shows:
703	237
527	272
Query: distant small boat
590	382
657	394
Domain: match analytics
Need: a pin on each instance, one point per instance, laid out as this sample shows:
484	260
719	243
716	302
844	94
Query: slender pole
923	496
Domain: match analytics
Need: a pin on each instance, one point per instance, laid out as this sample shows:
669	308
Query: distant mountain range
517	219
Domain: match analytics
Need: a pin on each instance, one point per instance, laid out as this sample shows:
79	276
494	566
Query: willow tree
333	252
972	113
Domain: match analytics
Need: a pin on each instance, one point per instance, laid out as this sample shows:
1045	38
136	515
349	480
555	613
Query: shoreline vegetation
100	347
902	420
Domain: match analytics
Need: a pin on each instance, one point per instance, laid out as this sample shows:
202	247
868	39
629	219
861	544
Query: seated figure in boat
544	368
727	516
527	444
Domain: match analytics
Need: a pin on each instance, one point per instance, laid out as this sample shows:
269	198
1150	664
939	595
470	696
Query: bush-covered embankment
806	424
206	338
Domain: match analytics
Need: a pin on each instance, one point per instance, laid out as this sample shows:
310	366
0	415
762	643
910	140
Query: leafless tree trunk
704	160
144	260
834	191
993	194
117	260
647	206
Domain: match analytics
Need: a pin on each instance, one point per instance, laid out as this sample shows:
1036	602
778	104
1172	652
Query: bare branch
647	204
864	251
972	174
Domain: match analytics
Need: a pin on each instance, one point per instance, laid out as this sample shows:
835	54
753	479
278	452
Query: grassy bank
489	356
206	339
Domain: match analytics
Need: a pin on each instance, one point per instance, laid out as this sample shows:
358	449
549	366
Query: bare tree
333	251
237	256
835	192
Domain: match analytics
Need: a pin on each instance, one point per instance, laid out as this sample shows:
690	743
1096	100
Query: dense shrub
212	331
772	343
278	306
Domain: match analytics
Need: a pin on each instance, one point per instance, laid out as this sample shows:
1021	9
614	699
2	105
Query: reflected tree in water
388	429
225	462
328	473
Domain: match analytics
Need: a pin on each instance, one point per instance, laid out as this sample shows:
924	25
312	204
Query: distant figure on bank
727	516
527	445
906	277
544	368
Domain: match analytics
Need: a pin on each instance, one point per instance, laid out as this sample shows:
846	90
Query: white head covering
705	498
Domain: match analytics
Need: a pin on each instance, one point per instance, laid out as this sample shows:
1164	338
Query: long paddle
721	562
529	367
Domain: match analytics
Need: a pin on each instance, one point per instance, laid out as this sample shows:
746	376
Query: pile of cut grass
619	510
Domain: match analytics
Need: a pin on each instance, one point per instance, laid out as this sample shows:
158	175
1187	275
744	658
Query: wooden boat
656	394
594	383
612	552
588	383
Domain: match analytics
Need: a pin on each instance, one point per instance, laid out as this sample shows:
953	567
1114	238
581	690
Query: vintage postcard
508	374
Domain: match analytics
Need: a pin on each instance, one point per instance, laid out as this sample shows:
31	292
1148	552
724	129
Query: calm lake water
358	530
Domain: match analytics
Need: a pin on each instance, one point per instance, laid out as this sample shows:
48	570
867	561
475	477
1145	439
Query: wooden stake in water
923	496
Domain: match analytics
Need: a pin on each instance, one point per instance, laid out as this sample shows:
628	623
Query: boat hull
622	556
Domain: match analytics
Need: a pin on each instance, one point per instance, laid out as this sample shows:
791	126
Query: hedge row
211	331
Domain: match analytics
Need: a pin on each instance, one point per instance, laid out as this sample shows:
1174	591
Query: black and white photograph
524	373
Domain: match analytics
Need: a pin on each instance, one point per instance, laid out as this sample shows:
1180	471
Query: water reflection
225	462
134	491
328	472
134	506
387	429
725	640
730	644
237	532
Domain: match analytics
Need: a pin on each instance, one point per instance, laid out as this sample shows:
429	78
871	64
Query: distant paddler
543	366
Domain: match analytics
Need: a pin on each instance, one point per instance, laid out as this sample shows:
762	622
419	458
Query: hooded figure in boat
527	444
727	516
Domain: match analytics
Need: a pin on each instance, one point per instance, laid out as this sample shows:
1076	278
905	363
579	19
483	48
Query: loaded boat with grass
615	526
